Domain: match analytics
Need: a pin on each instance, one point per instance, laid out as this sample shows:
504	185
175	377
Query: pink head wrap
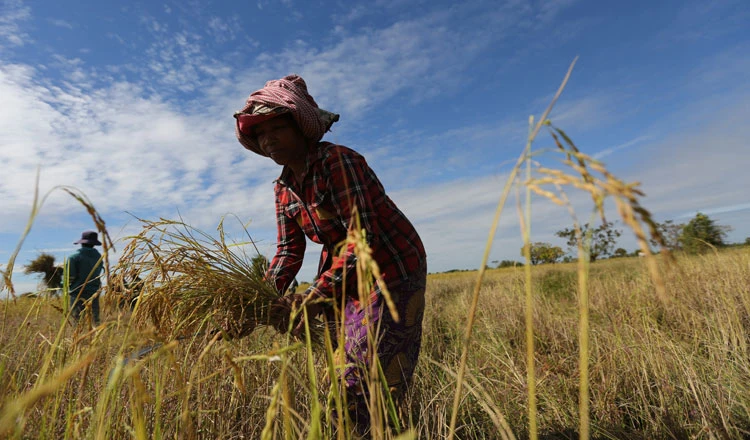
285	95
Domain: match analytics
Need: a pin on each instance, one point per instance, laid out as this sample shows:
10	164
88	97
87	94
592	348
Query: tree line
698	235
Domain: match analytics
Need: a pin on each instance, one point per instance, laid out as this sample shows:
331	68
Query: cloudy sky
132	102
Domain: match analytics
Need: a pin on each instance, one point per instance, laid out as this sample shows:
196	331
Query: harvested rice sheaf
45	264
183	281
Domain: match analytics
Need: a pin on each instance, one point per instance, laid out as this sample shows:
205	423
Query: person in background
321	189
84	270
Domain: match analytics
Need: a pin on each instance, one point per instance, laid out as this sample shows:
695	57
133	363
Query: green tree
508	263
603	239
619	253
542	253
702	233
670	232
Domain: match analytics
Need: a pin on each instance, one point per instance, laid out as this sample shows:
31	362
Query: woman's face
282	140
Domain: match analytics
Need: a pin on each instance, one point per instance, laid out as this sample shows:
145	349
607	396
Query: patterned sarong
398	344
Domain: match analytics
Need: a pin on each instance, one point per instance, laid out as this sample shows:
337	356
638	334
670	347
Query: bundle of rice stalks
45	265
190	282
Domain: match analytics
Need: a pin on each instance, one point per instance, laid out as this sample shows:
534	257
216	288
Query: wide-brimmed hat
89	237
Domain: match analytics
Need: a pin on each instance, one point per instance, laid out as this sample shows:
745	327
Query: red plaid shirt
337	180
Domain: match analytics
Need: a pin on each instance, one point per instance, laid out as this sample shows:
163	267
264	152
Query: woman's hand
236	329
280	312
291	305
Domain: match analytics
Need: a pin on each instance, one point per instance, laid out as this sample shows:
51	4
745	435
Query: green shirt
84	269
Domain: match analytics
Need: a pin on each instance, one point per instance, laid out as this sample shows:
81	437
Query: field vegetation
675	370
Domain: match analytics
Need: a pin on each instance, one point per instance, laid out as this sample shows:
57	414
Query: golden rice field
675	369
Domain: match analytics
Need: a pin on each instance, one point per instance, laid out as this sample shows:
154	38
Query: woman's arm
290	249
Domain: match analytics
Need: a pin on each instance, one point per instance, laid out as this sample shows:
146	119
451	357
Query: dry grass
655	372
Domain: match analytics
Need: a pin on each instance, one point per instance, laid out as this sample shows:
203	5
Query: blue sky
132	102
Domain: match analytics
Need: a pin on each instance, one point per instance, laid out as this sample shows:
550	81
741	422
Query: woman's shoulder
329	151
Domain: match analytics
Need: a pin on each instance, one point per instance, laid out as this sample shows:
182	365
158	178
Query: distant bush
702	233
544	253
509	263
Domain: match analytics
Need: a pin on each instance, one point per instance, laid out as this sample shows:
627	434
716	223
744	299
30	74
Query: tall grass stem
486	257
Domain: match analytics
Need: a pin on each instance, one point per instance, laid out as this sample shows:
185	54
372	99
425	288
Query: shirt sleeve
72	271
352	184
290	249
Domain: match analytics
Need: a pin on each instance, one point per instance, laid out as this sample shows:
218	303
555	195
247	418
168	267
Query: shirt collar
313	155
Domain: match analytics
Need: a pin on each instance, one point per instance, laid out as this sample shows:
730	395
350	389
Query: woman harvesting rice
323	190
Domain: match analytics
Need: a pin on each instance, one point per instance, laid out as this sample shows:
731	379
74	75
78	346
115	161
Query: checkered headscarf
288	93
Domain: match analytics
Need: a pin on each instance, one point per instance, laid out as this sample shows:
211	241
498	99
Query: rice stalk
593	178
586	177
525	155
584	244
529	303
190	282
368	275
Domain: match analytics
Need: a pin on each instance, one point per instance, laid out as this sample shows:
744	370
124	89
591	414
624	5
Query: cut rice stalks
184	282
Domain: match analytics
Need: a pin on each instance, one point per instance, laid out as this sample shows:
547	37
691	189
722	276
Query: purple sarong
397	343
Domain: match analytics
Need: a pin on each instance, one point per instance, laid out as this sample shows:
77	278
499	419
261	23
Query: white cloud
699	164
13	12
584	113
549	10
610	150
224	30
724	70
701	168
60	23
126	152
407	60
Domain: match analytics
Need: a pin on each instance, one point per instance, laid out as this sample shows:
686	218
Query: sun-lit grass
655	372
